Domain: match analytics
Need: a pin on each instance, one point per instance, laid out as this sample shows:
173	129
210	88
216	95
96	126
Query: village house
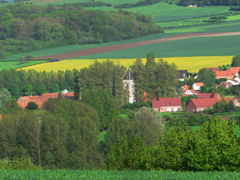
197	86
197	105
233	82
228	74
209	95
40	100
215	69
226	84
167	105
235	100
189	92
182	74
185	87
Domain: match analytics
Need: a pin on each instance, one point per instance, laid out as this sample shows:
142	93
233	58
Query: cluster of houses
202	102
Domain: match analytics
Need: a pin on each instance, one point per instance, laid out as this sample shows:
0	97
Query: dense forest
27	27
209	2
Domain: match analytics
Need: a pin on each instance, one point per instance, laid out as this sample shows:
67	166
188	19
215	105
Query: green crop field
16	64
73	48
204	46
229	26
105	175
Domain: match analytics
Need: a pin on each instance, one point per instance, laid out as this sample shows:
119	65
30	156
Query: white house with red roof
233	82
197	105
167	105
197	86
189	92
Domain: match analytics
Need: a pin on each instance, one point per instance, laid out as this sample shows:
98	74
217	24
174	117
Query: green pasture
73	48
229	26
205	46
167	18
109	175
16	64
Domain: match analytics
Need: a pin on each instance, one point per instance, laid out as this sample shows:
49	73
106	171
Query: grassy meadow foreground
192	64
103	175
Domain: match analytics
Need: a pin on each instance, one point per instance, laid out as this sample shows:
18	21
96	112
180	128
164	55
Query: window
162	103
158	109
169	103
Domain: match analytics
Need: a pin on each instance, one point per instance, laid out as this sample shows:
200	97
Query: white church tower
129	83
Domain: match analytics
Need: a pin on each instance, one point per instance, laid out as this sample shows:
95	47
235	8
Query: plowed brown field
131	45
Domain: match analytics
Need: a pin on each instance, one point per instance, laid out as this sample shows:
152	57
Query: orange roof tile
199	84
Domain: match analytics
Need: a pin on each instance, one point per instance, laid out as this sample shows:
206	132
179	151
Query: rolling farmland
181	62
16	64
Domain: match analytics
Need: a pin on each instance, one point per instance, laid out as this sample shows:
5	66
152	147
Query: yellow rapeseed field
192	64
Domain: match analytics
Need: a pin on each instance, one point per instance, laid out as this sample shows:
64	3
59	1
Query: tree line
28	27
209	2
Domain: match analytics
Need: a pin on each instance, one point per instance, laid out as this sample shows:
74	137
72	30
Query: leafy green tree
54	88
5	98
2	53
28	89
220	106
231	106
82	142
55	130
236	61
21	60
203	89
15	90
41	89
207	77
28	57
104	103
139	77
32	106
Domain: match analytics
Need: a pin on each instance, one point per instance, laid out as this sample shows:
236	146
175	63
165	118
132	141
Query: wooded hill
27	27
209	2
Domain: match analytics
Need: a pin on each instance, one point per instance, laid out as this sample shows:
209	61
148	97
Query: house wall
167	108
196	87
190	107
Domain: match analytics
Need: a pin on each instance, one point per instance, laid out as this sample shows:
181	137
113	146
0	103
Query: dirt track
131	45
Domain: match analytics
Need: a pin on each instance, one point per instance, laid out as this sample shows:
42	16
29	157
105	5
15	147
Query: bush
32	106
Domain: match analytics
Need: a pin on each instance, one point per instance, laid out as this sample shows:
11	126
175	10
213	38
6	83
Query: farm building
197	105
40	100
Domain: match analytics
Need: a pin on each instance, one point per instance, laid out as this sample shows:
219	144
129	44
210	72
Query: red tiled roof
39	100
235	69
226	73
213	69
207	95
167	102
205	102
185	87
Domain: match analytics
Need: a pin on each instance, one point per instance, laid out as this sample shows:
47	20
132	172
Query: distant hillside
27	27
209	2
